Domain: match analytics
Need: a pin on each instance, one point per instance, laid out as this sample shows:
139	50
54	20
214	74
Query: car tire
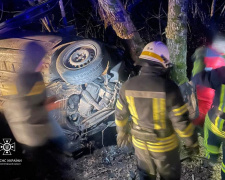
82	62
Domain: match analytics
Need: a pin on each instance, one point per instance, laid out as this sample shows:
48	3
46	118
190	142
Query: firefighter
156	107
205	95
214	129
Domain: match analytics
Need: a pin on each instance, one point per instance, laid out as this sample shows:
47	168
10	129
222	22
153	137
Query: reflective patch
181	110
121	123
163	113
119	105
159	113
213	128
161	146
145	94
222	99
219	123
151	54
209	148
156	114
132	108
223	167
187	132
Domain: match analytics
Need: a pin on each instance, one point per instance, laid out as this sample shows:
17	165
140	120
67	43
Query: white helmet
158	52
219	43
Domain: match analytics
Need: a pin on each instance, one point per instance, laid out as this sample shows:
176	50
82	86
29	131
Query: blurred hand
124	139
193	150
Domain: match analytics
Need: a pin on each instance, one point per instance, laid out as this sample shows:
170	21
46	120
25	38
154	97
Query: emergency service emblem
7	146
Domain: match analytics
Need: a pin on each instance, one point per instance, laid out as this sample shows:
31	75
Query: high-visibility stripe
222	99
221	124
217	121
121	123
163	149
155	148
207	155
140	146
163	113
119	105
187	132
206	136
151	54
212	149
223	167
209	148
180	108
156	115
213	128
145	94
38	88
159	113
181	113
132	108
164	141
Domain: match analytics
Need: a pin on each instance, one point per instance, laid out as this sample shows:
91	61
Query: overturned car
83	74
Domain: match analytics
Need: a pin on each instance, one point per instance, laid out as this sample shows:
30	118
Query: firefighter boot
145	176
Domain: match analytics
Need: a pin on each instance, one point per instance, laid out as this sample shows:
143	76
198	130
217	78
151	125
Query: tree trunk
213	8
114	14
176	33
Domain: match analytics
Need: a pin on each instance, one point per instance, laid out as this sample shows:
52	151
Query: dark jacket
155	105
214	79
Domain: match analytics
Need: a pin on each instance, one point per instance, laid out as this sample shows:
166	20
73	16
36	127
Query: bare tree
176	33
114	14
213	8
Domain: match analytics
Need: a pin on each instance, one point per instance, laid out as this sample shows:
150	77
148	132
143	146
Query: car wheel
82	62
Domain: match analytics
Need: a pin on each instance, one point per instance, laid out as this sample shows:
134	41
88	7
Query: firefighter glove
123	139
123	136
193	149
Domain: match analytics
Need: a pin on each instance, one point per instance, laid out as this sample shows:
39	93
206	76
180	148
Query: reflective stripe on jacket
156	104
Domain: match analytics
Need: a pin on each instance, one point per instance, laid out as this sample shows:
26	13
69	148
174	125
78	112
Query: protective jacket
205	95
214	127
214	79
156	107
25	110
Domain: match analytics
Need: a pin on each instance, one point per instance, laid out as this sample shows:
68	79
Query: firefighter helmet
158	52
219	43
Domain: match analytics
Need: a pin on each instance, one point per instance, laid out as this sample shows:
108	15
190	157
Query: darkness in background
148	17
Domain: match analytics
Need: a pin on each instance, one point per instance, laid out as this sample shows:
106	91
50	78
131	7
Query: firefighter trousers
213	138
167	164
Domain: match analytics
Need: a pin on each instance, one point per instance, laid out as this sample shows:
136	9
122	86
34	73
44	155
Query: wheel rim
79	57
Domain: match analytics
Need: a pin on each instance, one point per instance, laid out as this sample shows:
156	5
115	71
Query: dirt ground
109	163
112	163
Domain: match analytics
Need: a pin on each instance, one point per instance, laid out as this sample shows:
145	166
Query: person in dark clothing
27	115
156	107
214	129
